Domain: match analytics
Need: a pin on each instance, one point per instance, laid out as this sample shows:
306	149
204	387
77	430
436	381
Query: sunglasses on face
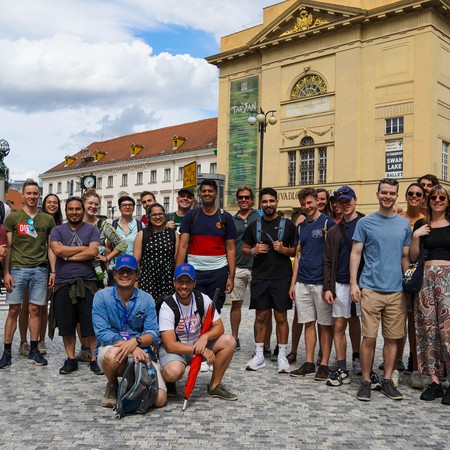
441	198
417	194
243	197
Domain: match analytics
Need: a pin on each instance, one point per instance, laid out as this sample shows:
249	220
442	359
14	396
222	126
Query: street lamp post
262	121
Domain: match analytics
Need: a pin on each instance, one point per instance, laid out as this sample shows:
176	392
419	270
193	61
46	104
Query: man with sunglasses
242	219
383	238
28	267
125	325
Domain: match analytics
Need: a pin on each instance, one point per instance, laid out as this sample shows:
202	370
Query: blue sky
74	71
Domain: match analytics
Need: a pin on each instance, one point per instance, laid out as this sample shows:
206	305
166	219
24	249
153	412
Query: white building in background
148	161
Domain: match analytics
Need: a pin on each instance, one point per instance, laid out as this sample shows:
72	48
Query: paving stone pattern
41	409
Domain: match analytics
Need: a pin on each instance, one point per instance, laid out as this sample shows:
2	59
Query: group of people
140	288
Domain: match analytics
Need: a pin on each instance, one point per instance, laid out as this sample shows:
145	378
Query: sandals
292	357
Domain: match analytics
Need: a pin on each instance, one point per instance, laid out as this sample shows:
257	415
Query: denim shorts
31	279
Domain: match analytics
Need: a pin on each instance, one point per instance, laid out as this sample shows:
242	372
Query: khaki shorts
242	279
389	307
101	356
311	306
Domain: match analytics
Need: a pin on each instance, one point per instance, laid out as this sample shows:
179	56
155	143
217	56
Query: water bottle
98	270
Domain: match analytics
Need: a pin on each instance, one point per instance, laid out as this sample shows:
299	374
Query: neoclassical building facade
360	90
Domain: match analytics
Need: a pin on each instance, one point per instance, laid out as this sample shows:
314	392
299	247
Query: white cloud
74	71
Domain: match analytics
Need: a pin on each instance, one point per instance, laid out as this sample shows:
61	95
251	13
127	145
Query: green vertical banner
242	152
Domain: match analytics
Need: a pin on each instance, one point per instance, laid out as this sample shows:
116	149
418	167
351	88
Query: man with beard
75	244
383	238
26	269
185	200
208	239
271	241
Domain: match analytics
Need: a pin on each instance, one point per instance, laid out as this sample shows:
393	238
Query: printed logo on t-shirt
189	324
219	225
317	234
25	229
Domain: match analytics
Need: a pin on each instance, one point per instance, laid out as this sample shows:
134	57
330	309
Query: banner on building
394	159
243	138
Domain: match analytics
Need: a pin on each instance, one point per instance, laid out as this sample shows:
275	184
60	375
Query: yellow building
361	90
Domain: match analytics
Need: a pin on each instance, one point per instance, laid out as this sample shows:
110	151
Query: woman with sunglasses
432	311
155	249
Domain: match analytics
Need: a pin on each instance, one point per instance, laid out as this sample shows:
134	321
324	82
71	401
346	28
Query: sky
78	71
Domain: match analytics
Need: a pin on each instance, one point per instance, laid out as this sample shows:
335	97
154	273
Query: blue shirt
383	238
312	244
343	266
110	317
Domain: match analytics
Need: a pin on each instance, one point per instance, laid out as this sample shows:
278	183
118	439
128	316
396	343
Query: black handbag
413	277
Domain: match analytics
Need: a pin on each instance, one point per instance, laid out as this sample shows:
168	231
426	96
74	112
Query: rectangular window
138	208
70	188
322	165
180	173
307	166
445	160
394	125
153	176
292	165
199	168
99	183
166	203
109	209
50	188
213	168
59	188
124	179
166	174
139	178
110	181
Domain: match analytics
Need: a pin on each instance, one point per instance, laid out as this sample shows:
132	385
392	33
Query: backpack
115	223
280	230
137	389
199	304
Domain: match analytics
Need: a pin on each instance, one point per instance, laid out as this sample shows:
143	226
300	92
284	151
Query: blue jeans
31	279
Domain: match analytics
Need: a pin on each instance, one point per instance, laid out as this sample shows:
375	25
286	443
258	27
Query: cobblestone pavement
41	409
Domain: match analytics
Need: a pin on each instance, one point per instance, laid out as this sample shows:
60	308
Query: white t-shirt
189	326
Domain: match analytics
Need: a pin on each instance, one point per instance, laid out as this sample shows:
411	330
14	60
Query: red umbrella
197	359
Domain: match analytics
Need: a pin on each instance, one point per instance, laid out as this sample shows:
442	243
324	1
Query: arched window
309	86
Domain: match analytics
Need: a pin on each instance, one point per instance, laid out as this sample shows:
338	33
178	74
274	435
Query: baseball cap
128	261
185	269
186	191
345	193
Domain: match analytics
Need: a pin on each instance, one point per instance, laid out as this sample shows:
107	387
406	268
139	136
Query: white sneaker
204	367
417	380
357	367
256	363
283	365
395	377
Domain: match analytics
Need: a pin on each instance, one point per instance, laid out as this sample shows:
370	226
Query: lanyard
125	314
186	326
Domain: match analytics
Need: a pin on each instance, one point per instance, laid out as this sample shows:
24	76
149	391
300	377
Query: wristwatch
138	340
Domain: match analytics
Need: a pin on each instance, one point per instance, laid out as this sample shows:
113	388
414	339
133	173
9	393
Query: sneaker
322	373
333	365
364	392
274	355
35	357
446	398
357	366
238	345
283	365
400	365
171	389
204	367
432	391
292	358
70	365
416	380
24	349
5	360
95	368
267	352
84	355
339	377
42	347
109	399
221	392
388	388
375	384
305	369
395	377
256	363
